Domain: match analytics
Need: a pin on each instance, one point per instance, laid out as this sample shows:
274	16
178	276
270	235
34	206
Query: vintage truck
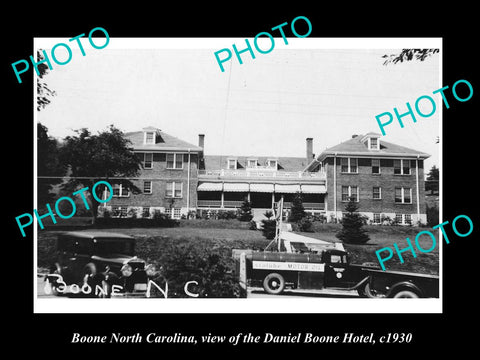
299	262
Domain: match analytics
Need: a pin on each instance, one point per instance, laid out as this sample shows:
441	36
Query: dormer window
251	163
271	163
232	164
149	137
373	144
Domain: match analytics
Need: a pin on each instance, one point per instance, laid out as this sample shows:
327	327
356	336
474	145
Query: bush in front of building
297	212
269	225
245	211
352	231
158	219
213	214
432	216
305	224
206	262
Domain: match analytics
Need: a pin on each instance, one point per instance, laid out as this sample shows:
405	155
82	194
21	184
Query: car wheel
107	290
50	286
274	283
371	293
407	294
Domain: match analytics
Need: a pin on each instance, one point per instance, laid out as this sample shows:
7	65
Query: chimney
201	159
309	150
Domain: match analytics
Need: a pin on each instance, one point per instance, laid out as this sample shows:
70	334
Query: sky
327	89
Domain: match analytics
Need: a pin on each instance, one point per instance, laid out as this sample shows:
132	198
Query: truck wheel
405	294
274	283
361	291
370	293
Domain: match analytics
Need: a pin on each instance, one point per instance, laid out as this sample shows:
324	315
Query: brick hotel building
177	177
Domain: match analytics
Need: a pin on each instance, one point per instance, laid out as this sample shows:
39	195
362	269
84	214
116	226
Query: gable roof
356	147
217	162
163	142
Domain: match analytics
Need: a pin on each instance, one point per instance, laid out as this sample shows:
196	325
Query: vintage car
94	263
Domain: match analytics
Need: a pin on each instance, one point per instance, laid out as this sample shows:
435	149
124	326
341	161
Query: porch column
221	200
273	199
248	196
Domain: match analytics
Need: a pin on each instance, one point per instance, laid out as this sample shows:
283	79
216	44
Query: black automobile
98	264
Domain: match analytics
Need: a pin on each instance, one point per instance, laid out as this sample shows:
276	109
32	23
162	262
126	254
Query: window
374	144
150	137
168	212
174	161
271	163
404	219
375	166
145	212
252	163
350	192
120	191
408	219
377	193
399	218
148	160
177	213
174	189
401	167
349	165
403	195
232	164
119	211
376	218
147	187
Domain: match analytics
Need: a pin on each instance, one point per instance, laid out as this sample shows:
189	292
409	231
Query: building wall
160	175
386	180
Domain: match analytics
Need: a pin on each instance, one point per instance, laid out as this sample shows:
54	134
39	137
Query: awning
208	186
314	189
268	188
235	187
289	189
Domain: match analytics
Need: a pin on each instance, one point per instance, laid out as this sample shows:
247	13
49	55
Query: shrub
432	216
207	263
305	224
319	218
269	225
252	225
132	213
245	211
159	220
352	225
297	210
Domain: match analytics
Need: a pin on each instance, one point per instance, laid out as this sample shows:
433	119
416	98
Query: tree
245	212
297	210
43	91
433	177
48	165
352	225
408	55
106	156
433	174
269	225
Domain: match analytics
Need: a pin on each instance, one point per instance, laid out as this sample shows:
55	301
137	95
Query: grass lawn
150	242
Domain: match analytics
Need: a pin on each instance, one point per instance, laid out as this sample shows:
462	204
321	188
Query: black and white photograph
297	174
